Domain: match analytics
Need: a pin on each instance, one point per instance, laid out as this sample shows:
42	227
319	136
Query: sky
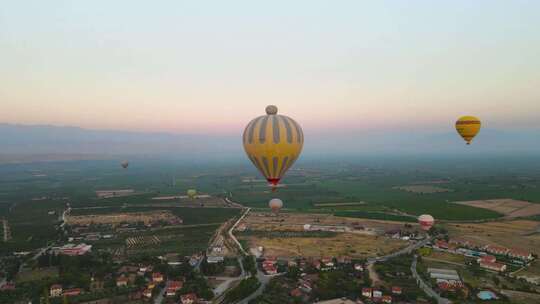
209	67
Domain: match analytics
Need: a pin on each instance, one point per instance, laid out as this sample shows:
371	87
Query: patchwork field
521	234
521	297
422	189
285	235
509	207
266	221
338	204
128	217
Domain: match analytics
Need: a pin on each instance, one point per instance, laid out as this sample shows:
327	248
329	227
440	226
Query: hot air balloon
275	204
124	164
426	221
468	127
192	193
273	143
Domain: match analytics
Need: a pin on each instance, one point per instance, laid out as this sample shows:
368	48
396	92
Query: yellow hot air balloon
273	143
192	193
468	127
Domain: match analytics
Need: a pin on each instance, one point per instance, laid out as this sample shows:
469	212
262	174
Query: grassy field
377	216
343	244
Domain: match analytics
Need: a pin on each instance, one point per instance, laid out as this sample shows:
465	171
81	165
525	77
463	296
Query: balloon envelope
426	221
275	204
273	143
468	127
124	164
192	193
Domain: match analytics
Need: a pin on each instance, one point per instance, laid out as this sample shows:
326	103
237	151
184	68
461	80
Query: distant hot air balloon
192	193
273	143
124	164
426	221
468	127
275	204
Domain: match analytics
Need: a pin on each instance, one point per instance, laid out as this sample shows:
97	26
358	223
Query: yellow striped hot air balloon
273	143
468	127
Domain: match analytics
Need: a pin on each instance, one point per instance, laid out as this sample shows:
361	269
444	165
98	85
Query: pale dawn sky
211	66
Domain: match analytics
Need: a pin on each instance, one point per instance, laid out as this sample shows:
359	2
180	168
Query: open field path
443	261
373	276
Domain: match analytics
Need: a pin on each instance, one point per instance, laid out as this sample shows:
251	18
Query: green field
316	186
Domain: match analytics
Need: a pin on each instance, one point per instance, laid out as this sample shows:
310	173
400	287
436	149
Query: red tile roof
296	292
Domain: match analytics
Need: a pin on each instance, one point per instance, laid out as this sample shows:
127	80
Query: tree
46	299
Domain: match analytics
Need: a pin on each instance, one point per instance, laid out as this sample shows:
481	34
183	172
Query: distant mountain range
77	143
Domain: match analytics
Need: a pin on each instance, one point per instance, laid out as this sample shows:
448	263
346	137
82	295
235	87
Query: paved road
227	281
264	280
231	235
427	289
405	250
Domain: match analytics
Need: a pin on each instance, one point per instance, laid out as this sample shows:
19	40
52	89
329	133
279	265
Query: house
377	294
147	293
72	292
189	298
387	299
144	268
316	264
443	274
487	259
7	286
498	250
270	269
493	266
56	290
122	281
451	286
173	287
520	254
292	263
296	293
358	267
441	244
396	290
366	292
327	262
72	249
271	259
157	277
214	259
267	263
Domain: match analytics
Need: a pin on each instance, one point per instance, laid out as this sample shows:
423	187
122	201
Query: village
281	255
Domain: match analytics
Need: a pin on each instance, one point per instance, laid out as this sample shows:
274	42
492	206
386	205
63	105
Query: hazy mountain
22	140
